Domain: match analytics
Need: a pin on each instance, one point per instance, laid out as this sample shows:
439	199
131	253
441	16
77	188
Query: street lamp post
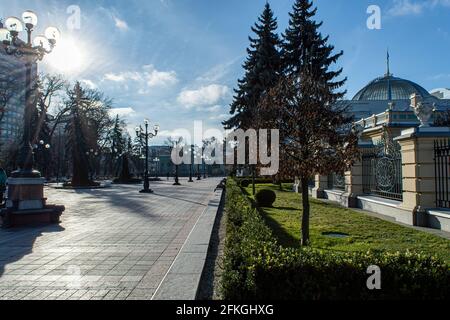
92	157
30	52
204	166
44	147
26	203
144	136
177	180
156	161
190	163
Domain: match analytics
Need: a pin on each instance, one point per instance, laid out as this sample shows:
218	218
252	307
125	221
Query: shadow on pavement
17	243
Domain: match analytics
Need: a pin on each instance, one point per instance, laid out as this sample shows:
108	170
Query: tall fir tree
76	133
262	71
315	130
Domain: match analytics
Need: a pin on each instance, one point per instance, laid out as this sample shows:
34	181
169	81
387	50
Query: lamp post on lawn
144	136
26	202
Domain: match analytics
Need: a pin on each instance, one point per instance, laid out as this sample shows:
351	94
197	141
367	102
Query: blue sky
176	61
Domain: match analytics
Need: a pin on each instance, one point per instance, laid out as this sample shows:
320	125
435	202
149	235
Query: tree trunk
305	218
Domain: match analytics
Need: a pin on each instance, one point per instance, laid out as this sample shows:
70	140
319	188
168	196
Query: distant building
442	93
12	77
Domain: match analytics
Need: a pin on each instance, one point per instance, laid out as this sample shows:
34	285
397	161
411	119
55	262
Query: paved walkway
112	243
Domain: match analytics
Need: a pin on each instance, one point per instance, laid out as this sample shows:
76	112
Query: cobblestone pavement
113	243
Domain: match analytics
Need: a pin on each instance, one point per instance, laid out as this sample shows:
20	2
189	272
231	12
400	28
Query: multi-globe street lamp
92	157
176	145
26	201
30	51
144	136
44	147
189	152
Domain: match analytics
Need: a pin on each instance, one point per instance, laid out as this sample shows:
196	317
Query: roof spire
388	72
388	75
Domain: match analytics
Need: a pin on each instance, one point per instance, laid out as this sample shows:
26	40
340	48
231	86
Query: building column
320	184
353	185
418	169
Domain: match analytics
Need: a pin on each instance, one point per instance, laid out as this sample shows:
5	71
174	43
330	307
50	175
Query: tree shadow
284	238
286	208
16	243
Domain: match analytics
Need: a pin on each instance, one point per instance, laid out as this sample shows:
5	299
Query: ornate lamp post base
26	204
33	174
146	191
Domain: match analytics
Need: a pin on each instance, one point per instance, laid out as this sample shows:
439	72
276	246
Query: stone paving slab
183	278
113	243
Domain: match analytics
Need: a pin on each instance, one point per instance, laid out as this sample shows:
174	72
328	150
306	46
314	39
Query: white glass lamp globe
41	41
29	18
5	36
52	34
14	24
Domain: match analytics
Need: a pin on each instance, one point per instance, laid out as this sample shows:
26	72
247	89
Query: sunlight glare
67	57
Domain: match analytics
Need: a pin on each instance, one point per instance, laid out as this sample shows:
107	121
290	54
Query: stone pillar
353	185
419	192
320	184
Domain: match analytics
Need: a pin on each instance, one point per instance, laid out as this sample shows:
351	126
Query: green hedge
256	267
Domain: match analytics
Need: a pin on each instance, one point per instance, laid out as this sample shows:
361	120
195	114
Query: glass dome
390	88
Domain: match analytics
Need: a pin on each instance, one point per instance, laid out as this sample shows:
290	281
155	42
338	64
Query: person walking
3	178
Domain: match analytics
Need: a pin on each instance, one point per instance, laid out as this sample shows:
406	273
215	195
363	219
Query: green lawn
364	232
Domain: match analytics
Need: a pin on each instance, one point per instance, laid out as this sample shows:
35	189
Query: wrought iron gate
382	170
442	171
336	181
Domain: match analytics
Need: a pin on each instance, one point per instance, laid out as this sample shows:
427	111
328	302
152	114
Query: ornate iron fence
442	170
336	181
382	170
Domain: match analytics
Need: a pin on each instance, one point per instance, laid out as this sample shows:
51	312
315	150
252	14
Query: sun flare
67	57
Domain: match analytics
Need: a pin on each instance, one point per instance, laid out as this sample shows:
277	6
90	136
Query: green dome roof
390	88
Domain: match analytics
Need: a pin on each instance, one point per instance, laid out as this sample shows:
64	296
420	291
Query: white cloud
159	78
415	7
204	96
89	83
405	7
147	78
120	24
122	112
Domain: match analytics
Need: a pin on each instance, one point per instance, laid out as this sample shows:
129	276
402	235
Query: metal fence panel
442	170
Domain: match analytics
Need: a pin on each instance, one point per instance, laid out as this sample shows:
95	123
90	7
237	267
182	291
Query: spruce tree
77	136
315	129
262	70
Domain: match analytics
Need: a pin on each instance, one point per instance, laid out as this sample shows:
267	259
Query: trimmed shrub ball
245	183
265	198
